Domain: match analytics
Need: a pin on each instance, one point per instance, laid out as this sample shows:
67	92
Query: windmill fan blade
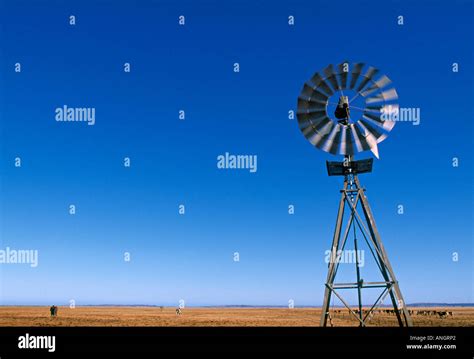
375	118
377	85
337	141
356	73
373	146
361	139
356	136
321	125
343	74
382	117
309	123
314	96
313	113
386	112
389	116
306	120
382	82
318	138
347	143
331	77
310	119
389	109
372	128
371	72
331	144
308	129
369	137
387	95
304	105
320	84
377	108
307	91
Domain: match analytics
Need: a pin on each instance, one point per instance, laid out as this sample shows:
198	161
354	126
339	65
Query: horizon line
418	304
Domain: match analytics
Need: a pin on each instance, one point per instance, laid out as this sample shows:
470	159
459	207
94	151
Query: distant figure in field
178	311
53	310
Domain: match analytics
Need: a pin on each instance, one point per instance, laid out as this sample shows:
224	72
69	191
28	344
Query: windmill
344	110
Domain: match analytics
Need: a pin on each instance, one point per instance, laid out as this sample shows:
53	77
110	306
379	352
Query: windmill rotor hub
342	109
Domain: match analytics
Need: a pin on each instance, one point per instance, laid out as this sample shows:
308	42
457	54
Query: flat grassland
211	317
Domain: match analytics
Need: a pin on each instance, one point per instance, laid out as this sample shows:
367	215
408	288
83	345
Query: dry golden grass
203	317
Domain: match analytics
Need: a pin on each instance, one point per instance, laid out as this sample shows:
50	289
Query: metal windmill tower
345	110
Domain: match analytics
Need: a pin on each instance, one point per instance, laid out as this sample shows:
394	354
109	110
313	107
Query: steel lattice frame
353	196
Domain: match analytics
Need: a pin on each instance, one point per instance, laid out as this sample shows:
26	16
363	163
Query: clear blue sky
135	209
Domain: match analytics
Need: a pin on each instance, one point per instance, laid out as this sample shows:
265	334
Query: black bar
123	340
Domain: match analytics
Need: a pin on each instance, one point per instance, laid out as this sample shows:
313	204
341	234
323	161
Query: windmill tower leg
332	264
399	306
